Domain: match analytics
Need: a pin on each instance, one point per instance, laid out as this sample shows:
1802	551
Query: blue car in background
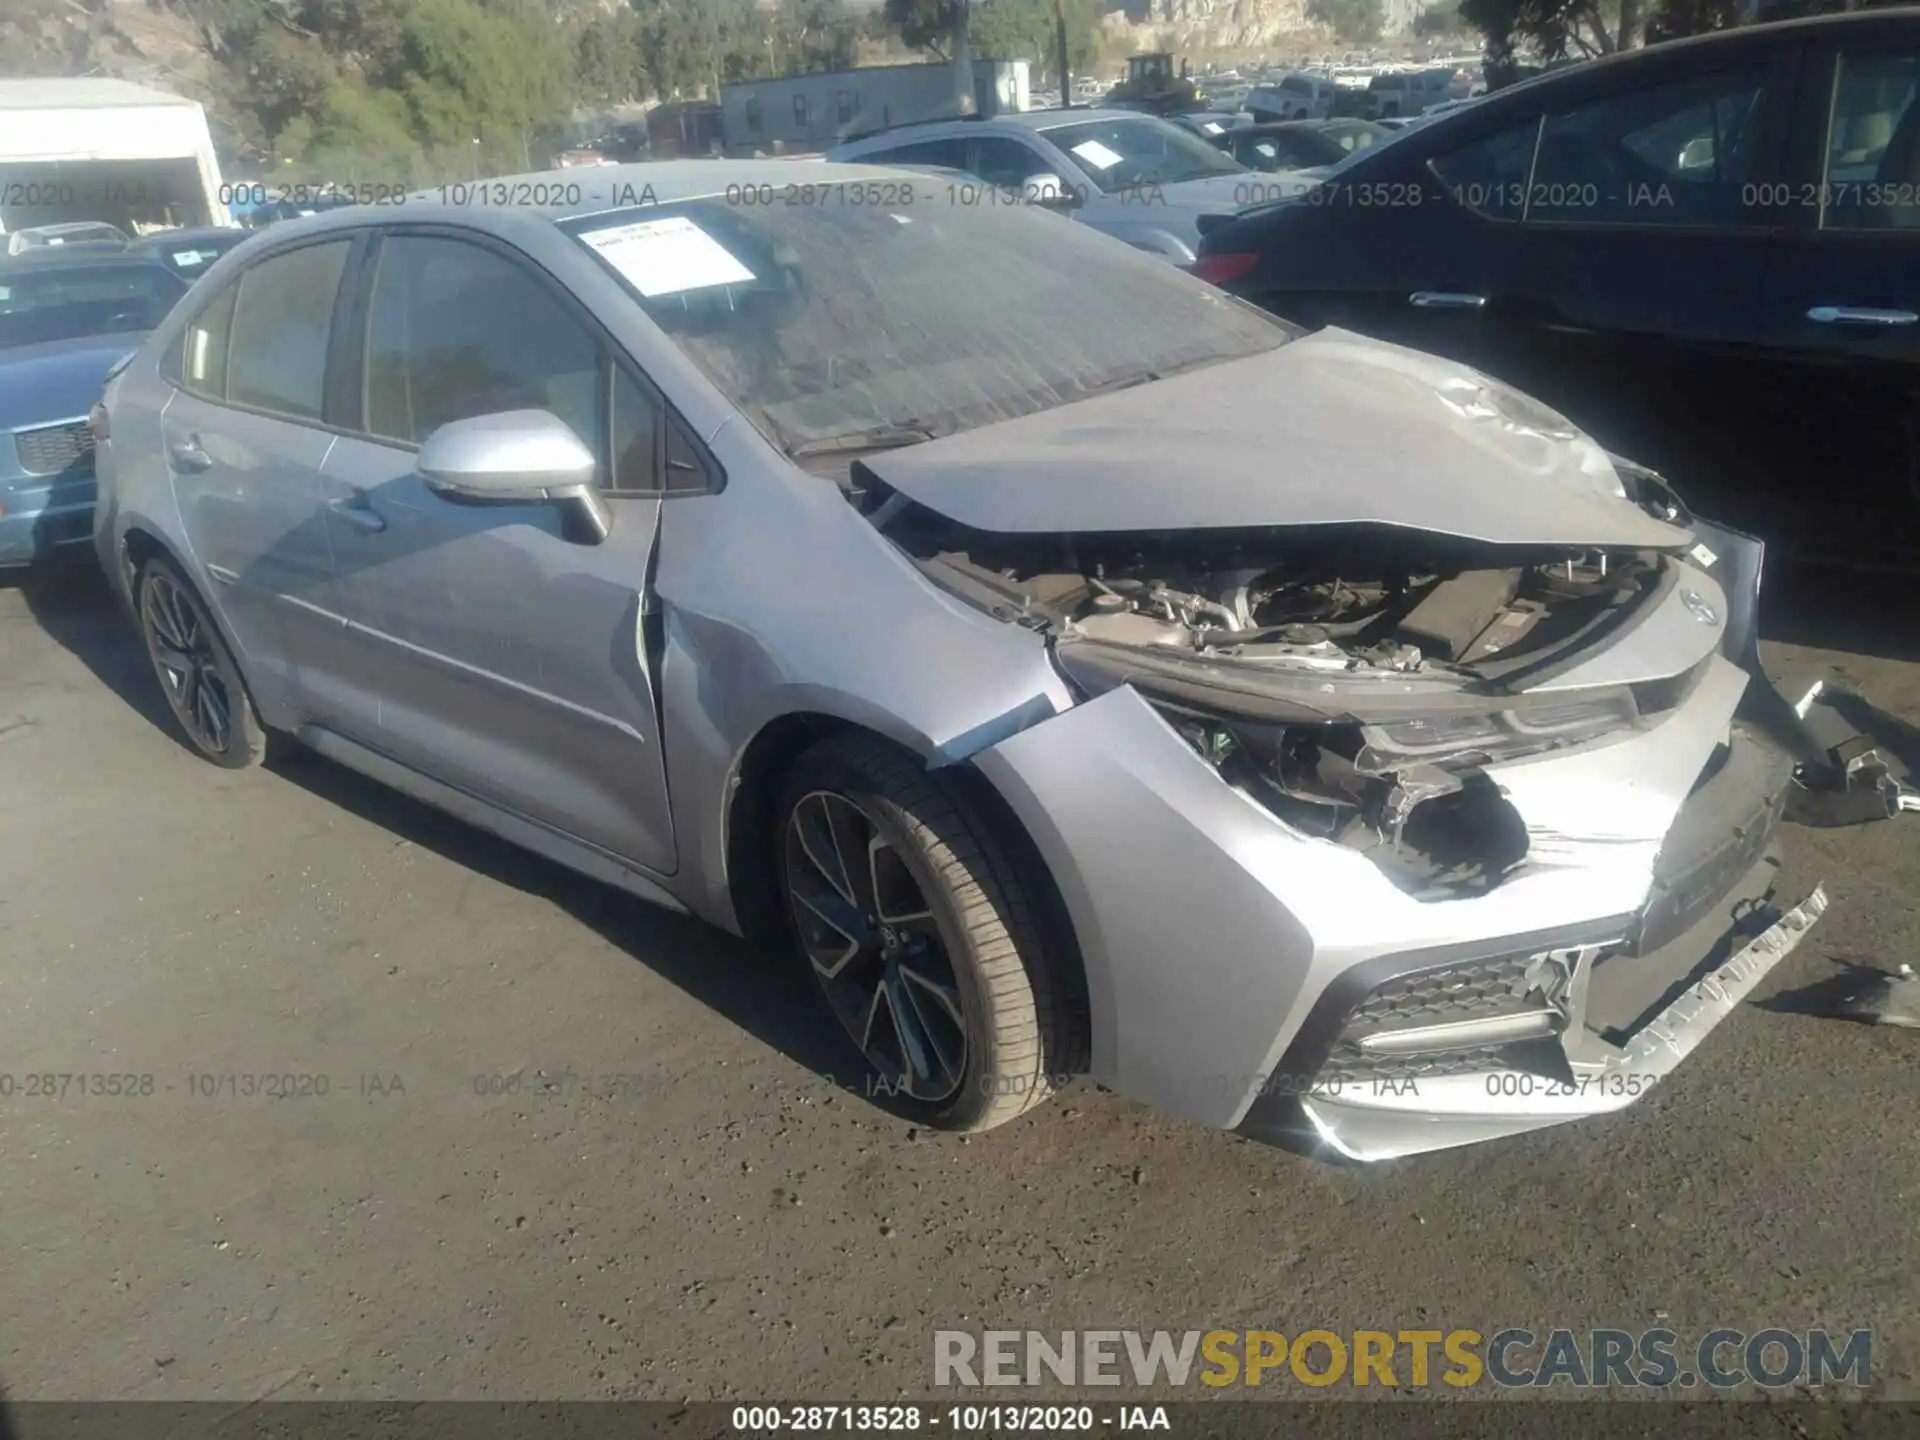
66	320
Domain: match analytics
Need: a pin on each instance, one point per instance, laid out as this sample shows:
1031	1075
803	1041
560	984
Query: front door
1842	308
492	652
1646	259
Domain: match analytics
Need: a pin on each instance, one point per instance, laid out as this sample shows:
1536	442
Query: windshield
843	324
1353	135
61	303
1288	148
1138	151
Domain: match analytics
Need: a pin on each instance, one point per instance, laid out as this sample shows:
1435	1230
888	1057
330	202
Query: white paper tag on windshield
1705	556
666	257
1097	155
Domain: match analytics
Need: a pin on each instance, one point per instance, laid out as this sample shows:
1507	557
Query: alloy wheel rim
875	947
182	649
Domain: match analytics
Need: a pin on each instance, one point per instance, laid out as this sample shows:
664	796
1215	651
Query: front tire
196	671
924	939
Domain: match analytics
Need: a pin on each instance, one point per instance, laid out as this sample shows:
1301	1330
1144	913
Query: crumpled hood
1330	429
60	379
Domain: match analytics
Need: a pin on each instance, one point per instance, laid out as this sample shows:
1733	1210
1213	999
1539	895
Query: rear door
1842	307
490	651
244	437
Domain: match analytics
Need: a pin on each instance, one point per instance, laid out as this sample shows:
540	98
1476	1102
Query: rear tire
925	941
196	670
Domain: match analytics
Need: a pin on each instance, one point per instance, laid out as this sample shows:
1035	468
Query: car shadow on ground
767	994
1876	615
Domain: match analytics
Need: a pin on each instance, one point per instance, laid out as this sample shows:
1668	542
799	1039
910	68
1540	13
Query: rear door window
1873	144
282	319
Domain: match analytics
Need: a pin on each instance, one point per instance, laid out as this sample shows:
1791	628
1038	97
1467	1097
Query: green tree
1441	20
1003	29
1358	22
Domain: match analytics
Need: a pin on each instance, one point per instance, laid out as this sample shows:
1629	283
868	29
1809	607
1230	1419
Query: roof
1037	120
593	190
63	258
614	187
198	235
1871	18
82	94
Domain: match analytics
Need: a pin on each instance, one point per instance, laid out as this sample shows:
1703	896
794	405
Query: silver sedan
1086	673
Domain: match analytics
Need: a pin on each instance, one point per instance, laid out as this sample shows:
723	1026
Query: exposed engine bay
1355	684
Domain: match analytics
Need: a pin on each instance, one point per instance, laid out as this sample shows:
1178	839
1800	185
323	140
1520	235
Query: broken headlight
1484	737
1410	792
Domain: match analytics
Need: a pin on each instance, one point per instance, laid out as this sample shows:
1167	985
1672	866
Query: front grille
1485	989
1432	997
1469	991
56	449
1347	1066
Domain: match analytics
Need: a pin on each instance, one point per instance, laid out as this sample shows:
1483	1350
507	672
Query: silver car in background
1087	673
1136	177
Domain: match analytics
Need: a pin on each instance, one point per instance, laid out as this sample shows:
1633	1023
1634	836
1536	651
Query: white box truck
105	150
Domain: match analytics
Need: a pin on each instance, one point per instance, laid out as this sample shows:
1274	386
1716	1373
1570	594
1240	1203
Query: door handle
188	458
1858	315
355	510
1447	300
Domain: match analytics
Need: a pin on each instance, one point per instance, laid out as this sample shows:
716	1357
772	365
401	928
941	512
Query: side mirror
1046	190
518	457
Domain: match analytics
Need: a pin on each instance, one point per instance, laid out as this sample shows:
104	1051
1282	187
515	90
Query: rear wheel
203	687
926	943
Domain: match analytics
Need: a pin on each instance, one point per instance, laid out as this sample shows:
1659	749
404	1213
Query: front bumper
1227	956
1236	968
1385	1118
44	517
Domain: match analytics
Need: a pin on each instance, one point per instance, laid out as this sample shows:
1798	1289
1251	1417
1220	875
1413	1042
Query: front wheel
924	939
203	687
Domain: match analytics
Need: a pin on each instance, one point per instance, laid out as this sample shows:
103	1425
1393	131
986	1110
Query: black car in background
1299	144
1707	253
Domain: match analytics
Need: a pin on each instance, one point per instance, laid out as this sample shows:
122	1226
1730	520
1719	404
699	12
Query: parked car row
1137	177
66	318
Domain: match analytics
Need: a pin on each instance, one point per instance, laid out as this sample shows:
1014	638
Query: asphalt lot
720	1221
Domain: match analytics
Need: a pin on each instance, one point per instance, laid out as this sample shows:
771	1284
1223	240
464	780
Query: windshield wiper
880	437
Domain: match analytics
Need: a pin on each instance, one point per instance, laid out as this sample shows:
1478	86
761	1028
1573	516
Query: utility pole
962	61
1060	51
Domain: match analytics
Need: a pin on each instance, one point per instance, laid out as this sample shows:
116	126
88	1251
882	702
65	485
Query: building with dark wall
803	114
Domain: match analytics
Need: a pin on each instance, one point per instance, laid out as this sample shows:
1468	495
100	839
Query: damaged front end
1357	685
1496	842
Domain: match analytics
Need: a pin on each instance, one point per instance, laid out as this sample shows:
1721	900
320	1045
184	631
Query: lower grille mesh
56	449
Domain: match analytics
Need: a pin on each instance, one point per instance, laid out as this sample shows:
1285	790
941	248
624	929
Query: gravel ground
694	1209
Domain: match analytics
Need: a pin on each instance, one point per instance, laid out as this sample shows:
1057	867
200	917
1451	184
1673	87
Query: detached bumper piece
1852	779
1418	1052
